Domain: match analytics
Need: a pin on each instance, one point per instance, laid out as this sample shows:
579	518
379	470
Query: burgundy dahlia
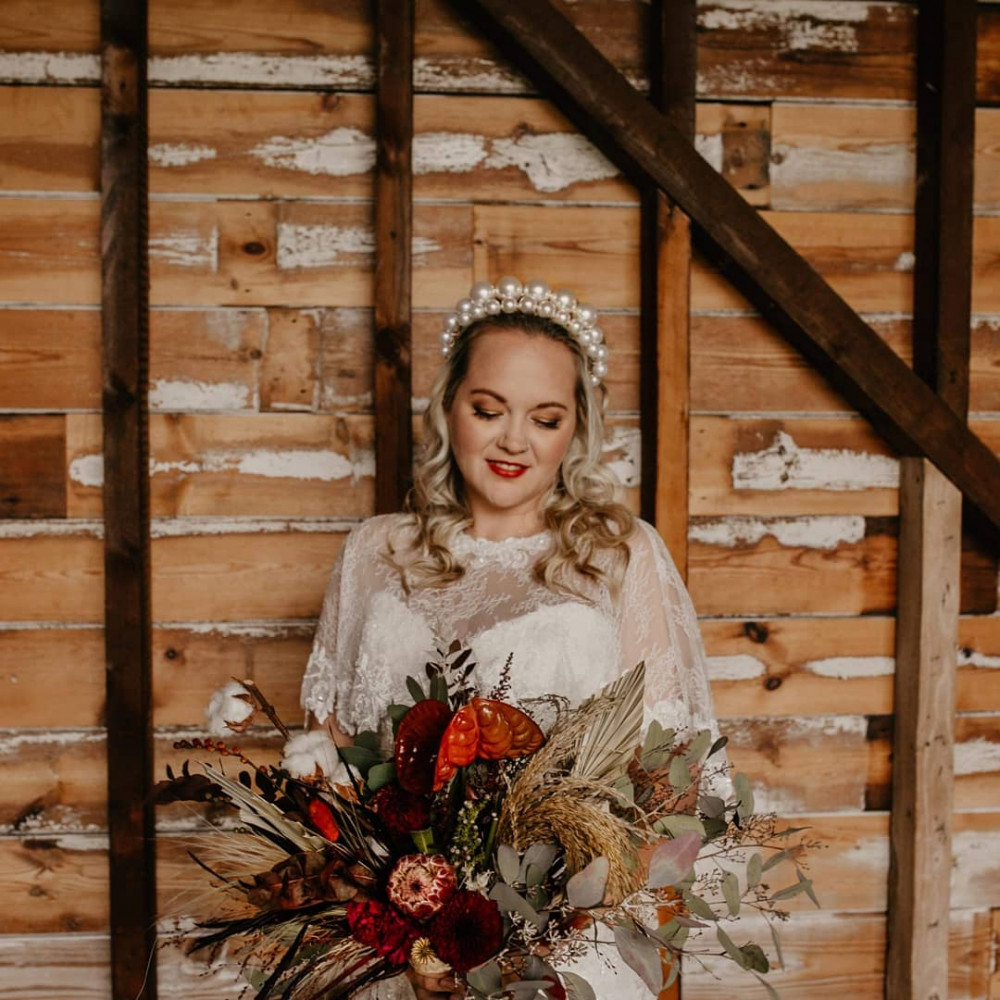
382	927
468	931
420	884
400	810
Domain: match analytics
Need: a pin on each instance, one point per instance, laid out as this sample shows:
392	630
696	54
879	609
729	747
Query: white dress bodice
372	635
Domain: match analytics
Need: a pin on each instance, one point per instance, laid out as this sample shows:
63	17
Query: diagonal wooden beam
127	618
393	258
784	287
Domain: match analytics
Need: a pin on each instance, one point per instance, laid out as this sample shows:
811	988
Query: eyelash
549	425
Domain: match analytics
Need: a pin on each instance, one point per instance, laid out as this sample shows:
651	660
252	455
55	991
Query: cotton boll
307	751
231	710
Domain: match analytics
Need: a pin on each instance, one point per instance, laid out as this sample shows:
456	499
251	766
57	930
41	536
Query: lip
507	470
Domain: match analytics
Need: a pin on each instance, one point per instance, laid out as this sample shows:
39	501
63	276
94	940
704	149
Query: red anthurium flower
321	816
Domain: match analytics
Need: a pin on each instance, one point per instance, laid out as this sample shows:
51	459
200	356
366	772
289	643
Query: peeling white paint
333	400
784	465
56	528
978	756
191	394
12	741
747	77
892	164
710	148
228	326
784	801
245	630
977	659
801	24
447	152
815	532
975	871
812	728
339	153
88	470
183	527
552	161
187	249
254	68
465	74
179	154
50	67
303	246
318	464
806	34
628	465
851	667
905	261
740	667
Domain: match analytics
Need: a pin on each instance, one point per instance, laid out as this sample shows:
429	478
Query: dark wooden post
393	258
125	368
666	299
930	512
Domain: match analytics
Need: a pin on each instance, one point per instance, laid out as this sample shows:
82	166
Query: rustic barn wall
261	159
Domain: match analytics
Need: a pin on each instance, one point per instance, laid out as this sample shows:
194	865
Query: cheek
554	446
466	436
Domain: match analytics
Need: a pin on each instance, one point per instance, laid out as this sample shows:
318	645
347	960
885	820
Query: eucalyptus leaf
792	890
527	987
380	774
777	942
396	713
668	930
712	806
755	957
641	955
775	859
718	745
511	901
741	785
680	938
730	948
416	691
698	906
679	823
577	988
714	828
540	856
625	789
683	921
754	870
487	978
367	739
586	887
360	757
508	863
672	859
731	893
534	876
771	991
807	882
537	897
680	774
699	746
673	969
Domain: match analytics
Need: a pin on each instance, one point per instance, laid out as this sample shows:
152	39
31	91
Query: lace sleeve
659	626
329	671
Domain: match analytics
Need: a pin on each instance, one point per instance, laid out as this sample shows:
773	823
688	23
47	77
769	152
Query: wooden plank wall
261	160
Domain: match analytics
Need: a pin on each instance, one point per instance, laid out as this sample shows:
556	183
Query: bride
515	542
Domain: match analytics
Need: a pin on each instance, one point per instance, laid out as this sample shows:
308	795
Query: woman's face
511	423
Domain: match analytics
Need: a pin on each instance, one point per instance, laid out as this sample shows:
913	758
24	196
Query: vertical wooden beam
393	241
666	270
931	512
125	372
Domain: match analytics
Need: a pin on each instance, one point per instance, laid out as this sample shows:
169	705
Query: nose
512	438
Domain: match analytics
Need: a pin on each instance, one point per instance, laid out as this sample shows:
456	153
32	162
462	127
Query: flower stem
265	706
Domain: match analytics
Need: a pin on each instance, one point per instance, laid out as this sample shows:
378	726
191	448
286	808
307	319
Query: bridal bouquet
481	847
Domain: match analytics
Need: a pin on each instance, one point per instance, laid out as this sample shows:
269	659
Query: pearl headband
508	295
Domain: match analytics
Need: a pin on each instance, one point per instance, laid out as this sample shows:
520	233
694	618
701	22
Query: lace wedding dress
371	635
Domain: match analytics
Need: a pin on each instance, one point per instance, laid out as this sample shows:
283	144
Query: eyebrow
500	399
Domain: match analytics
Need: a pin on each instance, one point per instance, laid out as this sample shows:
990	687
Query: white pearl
596	334
592	351
537	289
481	290
586	313
600	369
479	310
527	304
493	307
585	337
509	287
445	351
594	380
446	338
600	352
509	305
562	317
545	309
451	322
575	328
565	300
465	306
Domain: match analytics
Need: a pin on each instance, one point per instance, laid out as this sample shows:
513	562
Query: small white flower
231	710
307	751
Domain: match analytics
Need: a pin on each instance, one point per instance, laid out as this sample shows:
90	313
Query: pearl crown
508	295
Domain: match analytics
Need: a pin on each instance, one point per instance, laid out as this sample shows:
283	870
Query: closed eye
478	411
551	425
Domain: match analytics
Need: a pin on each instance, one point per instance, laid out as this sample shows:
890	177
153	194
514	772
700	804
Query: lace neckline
513	552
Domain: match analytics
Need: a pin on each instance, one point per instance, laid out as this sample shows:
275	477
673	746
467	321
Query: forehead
518	365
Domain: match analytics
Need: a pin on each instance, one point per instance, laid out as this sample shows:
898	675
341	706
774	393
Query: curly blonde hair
582	509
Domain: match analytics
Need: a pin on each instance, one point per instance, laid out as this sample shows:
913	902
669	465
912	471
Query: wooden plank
34	664
393	252
808	310
262	464
125	388
931	510
32	455
842	666
52	884
55	967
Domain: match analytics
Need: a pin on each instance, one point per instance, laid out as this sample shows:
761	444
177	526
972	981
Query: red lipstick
509	470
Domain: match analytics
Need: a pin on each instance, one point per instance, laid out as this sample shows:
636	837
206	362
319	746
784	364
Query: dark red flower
468	931
382	927
400	810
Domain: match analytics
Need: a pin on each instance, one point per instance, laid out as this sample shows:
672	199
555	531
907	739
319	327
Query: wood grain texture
32	451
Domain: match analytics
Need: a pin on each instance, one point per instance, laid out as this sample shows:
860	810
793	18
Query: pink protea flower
421	884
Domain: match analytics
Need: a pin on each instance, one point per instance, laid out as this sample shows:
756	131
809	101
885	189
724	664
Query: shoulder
373	536
647	548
